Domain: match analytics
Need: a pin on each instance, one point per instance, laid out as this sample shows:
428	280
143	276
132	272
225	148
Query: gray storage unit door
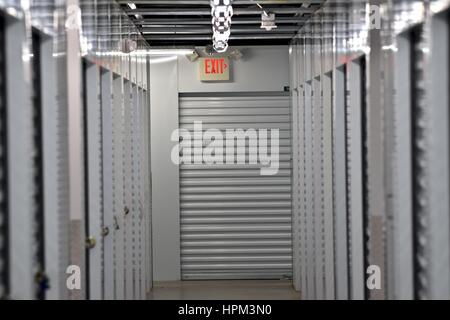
3	170
236	223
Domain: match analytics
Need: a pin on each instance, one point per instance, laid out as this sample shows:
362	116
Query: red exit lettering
215	66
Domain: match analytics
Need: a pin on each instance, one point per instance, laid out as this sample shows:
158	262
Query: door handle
105	231
116	223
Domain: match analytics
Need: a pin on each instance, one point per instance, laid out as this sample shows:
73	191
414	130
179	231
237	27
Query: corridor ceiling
177	23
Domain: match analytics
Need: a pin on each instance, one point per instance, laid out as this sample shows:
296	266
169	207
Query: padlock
42	281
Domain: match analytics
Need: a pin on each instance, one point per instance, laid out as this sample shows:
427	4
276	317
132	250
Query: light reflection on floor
225	290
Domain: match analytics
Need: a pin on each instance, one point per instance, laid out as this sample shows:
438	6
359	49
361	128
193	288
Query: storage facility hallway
224	150
225	290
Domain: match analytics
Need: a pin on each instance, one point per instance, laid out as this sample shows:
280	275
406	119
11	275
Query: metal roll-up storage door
235	222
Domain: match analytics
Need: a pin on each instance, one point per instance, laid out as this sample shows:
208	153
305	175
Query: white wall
165	178
261	69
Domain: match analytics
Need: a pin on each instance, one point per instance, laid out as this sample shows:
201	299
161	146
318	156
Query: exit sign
214	69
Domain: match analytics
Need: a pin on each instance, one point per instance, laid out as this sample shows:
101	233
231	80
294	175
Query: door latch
90	242
105	231
116	223
42	281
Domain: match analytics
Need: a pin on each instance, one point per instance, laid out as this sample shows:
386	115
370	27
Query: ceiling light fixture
267	18
193	56
221	11
132	5
268	21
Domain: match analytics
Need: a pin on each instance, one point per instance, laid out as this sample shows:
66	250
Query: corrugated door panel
317	114
355	180
403	218
301	180
295	175
329	267
140	285
147	192
365	177
235	223
420	171
340	185
37	158
108	201
309	194
439	88
55	169
127	178
94	174
144	252
55	162
20	163
118	188
293	58
430	161
143	197
135	189
3	172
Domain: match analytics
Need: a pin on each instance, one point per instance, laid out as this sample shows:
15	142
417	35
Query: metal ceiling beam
169	38
206	2
207	21
180	31
207	12
189	21
200	27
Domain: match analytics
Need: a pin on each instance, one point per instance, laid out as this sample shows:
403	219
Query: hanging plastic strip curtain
221	11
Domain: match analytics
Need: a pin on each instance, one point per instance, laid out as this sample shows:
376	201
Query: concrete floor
224	290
